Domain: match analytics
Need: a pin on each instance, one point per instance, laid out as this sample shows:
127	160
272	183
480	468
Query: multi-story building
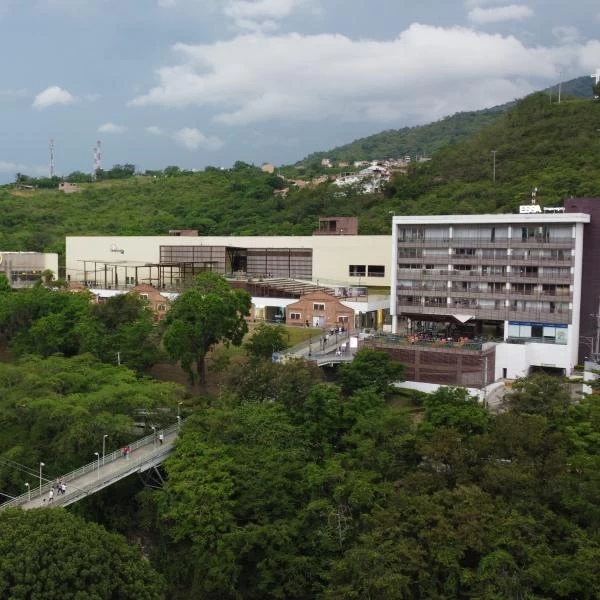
513	281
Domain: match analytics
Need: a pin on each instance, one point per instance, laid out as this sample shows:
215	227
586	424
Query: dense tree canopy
53	555
341	496
57	410
46	321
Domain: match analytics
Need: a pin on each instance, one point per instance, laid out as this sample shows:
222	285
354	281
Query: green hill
425	140
550	146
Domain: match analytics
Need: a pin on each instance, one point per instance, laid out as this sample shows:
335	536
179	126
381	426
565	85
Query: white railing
37	492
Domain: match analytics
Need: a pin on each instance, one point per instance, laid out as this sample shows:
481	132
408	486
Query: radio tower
51	158
97	159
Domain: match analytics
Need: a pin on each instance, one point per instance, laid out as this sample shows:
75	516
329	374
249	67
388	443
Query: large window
376	271
357	270
295	316
318	306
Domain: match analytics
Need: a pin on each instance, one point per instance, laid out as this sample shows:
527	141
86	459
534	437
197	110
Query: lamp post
179	410
28	491
153	434
104	446
41	466
178	422
97	455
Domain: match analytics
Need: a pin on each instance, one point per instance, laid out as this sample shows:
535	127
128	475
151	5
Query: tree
370	368
53	554
204	315
265	340
4	284
539	395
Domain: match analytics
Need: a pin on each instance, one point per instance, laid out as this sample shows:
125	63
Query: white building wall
518	358
332	255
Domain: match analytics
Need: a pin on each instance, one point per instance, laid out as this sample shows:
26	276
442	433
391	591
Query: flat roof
484	219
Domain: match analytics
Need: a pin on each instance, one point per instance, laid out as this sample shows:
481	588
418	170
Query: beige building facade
345	260
24	269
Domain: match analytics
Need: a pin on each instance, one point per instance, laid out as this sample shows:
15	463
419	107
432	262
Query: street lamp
28	491
179	410
41	465
97	455
104	446
153	434
178	422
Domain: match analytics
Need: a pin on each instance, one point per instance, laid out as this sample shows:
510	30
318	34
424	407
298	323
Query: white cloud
51	96
498	14
260	15
154	130
566	34
424	73
474	3
192	139
112	128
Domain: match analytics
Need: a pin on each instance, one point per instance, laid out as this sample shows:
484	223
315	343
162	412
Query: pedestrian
63	488
50	495
161	438
127	451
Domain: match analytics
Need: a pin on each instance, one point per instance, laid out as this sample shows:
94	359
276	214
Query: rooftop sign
529	209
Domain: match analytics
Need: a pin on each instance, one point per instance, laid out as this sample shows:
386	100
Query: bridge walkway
145	454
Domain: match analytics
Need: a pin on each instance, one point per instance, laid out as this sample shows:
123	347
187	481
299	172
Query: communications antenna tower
51	158
97	159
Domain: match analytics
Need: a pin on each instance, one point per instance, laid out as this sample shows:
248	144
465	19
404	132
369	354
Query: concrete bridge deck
145	453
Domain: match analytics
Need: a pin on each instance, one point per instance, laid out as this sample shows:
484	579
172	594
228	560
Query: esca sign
528	209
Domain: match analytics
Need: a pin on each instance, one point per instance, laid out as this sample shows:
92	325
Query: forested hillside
538	144
425	140
551	147
282	484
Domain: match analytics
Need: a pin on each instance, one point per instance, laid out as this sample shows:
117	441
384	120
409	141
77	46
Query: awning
463	318
444	318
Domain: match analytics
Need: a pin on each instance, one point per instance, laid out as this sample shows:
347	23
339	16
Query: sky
208	82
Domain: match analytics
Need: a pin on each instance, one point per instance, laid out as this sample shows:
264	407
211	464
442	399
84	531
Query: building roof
486	219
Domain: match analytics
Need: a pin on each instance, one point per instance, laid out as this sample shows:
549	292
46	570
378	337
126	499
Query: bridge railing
37	492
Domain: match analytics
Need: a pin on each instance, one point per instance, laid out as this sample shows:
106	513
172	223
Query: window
317	306
464	252
357	270
376	271
342	318
295	316
410	234
161	307
144	296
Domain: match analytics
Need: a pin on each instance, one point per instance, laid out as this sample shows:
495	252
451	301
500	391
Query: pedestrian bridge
144	454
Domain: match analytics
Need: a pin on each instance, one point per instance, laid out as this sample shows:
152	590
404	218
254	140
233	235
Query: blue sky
209	82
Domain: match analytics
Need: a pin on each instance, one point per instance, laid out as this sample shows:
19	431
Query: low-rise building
68	188
24	269
158	303
319	309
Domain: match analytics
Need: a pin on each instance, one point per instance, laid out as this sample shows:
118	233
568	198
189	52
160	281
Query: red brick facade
158	303
319	309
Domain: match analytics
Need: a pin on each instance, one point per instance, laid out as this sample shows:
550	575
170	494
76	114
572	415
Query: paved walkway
90	479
